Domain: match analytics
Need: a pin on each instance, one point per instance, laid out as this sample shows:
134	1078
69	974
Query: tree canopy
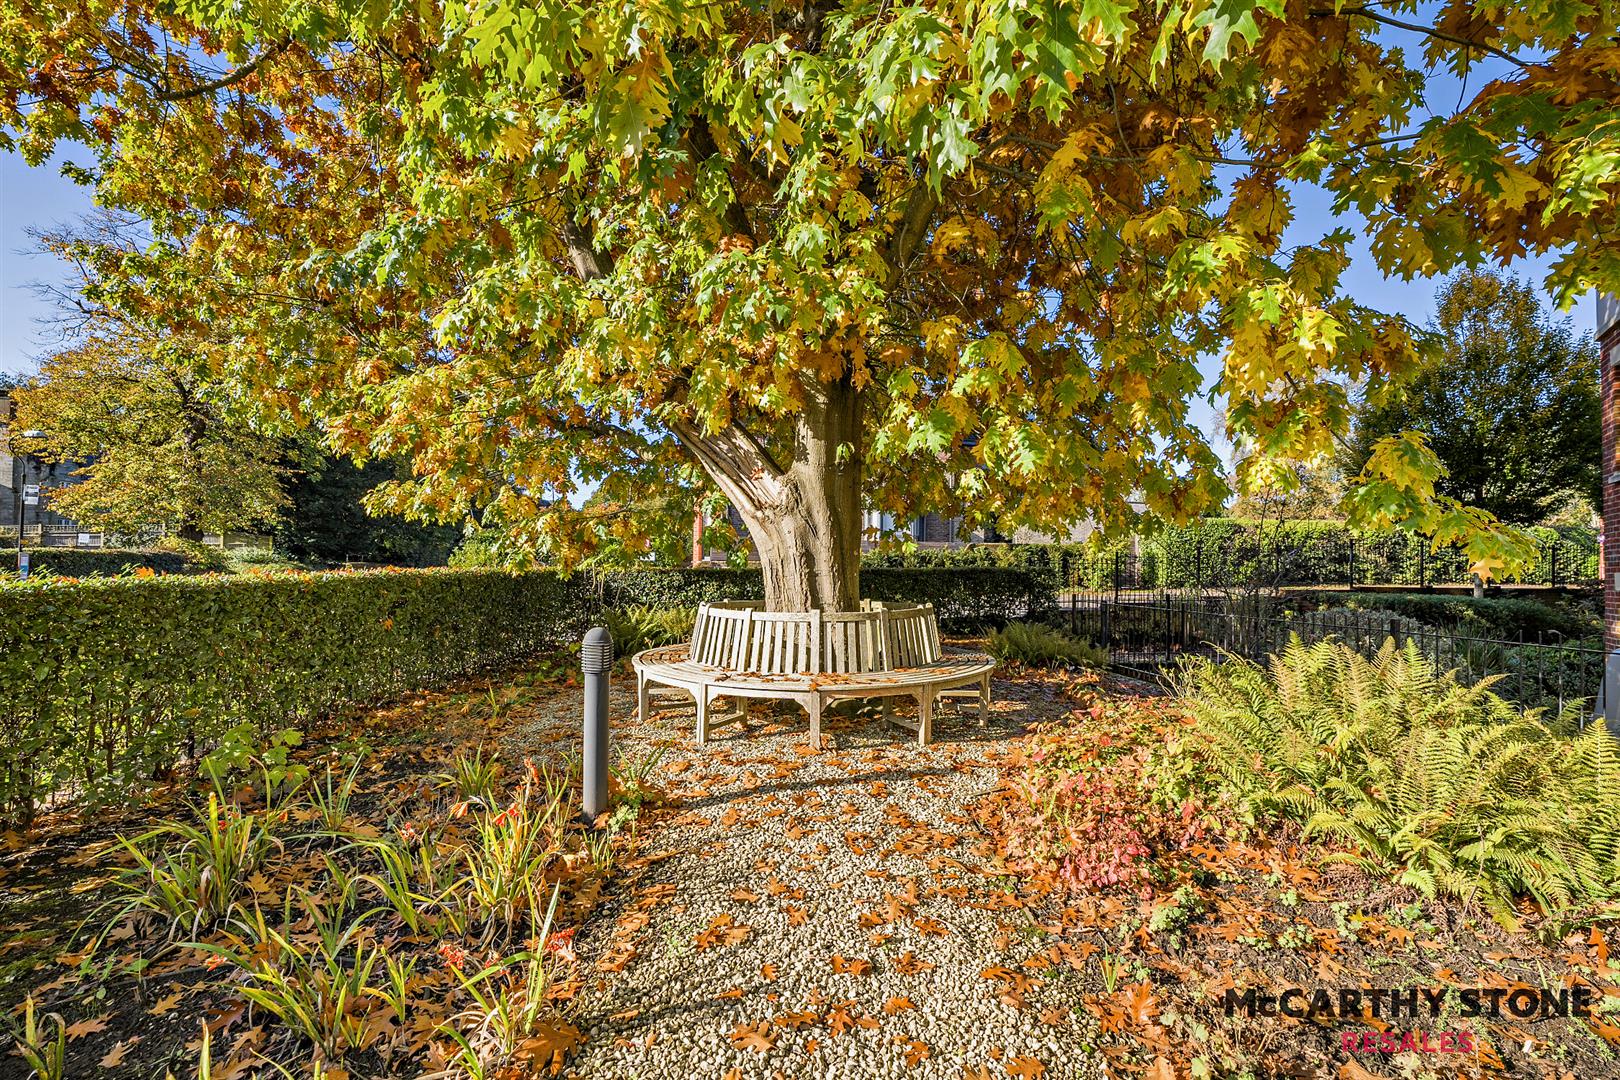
156	447
1510	403
821	254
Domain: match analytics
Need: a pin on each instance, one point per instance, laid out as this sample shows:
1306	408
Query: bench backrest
739	635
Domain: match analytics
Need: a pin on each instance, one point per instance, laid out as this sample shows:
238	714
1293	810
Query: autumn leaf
841	966
167	1003
795	1020
758	1037
909	964
916	1051
115	1057
1025	1068
91	1026
897	1005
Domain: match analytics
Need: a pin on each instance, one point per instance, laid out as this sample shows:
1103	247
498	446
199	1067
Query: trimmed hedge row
105	683
1230	551
962	596
102	562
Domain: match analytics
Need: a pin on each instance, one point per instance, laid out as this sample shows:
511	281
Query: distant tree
1510	406
159	448
1311	493
10	380
325	520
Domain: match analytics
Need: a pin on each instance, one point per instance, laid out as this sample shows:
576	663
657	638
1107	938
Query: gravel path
824	915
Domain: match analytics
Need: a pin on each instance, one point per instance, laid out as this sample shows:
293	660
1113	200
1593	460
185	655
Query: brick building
1608	337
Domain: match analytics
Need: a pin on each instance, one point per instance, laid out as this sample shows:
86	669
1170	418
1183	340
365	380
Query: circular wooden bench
814	658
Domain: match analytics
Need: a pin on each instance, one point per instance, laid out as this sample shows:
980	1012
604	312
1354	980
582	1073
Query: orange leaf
1026	1068
897	1005
88	1027
757	1037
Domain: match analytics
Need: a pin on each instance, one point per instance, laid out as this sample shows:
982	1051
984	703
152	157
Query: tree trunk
803	515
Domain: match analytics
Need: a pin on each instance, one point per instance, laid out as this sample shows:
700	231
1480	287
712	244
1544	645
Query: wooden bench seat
671	665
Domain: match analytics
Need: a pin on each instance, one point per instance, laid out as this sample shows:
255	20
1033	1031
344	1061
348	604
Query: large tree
830	254
155	445
1510	404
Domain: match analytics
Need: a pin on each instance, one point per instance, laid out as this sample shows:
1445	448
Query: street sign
30	494
22	564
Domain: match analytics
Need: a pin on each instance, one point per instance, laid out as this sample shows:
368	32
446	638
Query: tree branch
589	263
1419	28
228	79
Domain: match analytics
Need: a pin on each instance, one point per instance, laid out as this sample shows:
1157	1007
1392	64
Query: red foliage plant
1087	800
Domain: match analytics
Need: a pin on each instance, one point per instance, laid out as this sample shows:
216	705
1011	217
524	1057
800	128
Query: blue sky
42	198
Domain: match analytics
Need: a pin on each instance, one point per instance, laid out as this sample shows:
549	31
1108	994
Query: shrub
1039	645
104	562
1440	784
962	596
642	627
105	683
1505	617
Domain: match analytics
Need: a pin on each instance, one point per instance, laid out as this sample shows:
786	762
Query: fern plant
1042	646
1439	783
643	627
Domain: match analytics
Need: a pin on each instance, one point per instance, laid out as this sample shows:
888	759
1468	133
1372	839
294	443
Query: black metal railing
1148	635
1334	559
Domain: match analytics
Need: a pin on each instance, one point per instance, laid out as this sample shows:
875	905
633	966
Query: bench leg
643	697
984	701
702	700
812	705
925	716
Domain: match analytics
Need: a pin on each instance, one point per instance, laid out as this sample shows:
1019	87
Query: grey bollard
595	657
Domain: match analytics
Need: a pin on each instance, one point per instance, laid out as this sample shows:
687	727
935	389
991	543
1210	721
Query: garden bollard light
596	657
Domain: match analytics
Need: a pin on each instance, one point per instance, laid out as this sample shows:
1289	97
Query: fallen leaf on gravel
1025	1068
916	1052
744	896
797	916
795	1020
1055	1015
908	964
976	1072
722	930
734	992
756	1037
768	972
855	966
897	1005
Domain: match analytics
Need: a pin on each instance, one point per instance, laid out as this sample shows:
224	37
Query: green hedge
104	683
963	596
1224	551
102	562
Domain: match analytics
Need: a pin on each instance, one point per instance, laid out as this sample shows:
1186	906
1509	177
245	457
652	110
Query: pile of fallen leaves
1094	798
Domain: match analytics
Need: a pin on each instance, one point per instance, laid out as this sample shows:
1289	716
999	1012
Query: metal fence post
596	658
